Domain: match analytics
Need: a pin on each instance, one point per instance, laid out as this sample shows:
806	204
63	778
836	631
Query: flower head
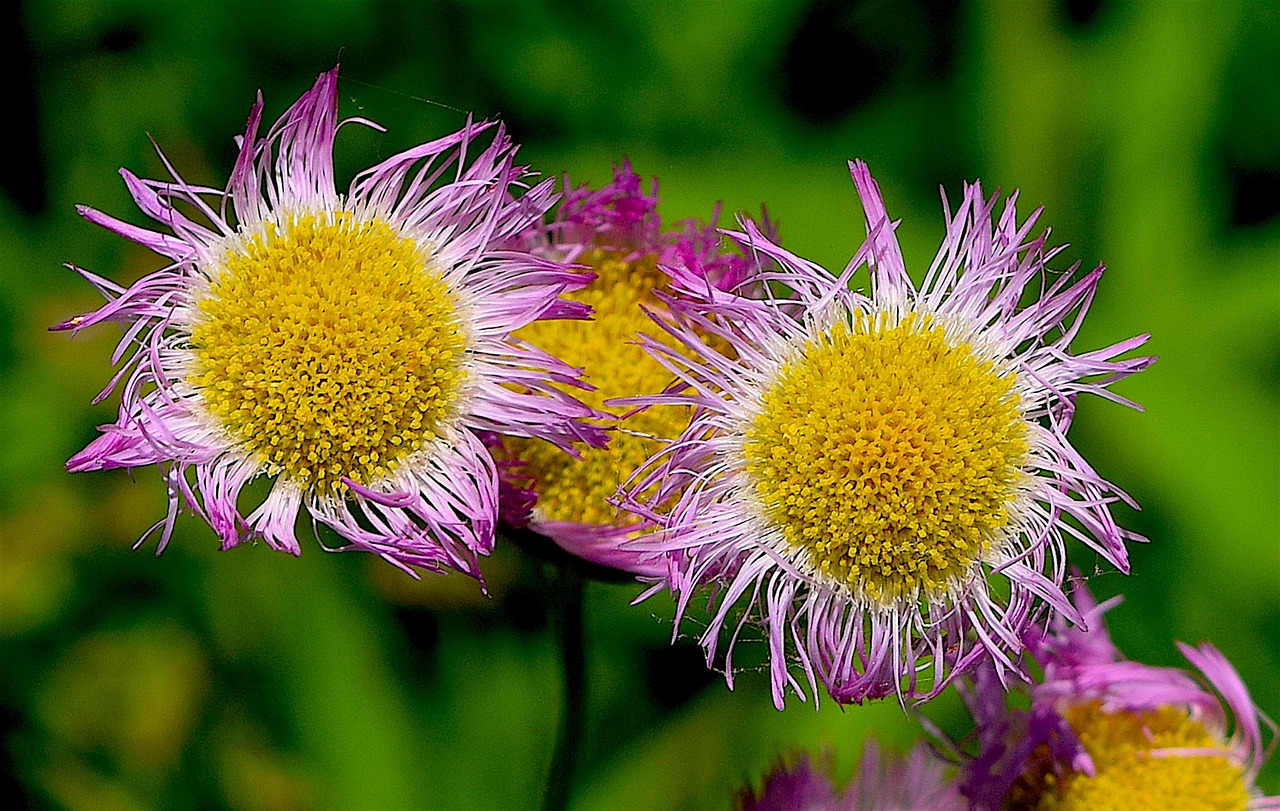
917	780
616	232
1103	732
350	347
880	481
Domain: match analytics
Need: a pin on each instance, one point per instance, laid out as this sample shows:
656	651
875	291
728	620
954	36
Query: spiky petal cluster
621	216
883	783
1102	730
617	233
379	341
809	398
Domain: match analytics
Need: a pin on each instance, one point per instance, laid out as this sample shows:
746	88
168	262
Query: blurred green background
252	680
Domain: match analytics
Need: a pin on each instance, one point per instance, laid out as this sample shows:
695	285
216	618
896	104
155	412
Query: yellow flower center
1129	774
578	490
328	346
890	454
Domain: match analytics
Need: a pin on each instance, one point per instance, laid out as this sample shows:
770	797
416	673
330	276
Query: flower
1103	732
616	232
350	347
917	780
880	482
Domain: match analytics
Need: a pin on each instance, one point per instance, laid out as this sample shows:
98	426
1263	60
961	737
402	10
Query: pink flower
917	780
881	482
349	347
616	232
1102	731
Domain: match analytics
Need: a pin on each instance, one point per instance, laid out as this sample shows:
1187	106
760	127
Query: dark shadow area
842	55
22	177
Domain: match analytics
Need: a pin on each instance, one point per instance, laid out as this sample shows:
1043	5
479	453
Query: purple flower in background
880	482
617	233
796	786
350	347
917	781
1103	732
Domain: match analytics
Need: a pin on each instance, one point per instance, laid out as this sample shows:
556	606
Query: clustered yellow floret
329	347
578	490
890	454
1130	772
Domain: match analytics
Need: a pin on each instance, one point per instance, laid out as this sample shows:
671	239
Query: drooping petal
726	528
428	320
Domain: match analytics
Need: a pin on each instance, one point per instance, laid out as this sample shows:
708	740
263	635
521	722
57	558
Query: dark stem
546	550
567	592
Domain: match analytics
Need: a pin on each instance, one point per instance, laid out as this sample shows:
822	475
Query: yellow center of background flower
328	347
890	455
1128	775
578	490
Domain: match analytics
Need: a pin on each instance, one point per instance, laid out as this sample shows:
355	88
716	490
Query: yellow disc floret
1131	772
890	454
328	347
577	490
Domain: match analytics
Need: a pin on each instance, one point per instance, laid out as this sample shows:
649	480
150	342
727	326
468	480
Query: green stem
567	619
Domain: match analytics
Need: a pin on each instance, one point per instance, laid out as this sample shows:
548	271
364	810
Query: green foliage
251	680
